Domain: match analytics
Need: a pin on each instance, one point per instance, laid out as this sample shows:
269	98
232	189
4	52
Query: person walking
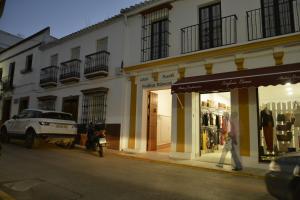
231	145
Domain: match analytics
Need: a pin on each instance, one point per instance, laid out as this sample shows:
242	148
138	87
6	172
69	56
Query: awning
221	82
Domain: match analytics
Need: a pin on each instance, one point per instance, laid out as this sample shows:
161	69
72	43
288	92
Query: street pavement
54	173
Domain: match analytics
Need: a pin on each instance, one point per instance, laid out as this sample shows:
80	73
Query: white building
19	65
190	65
231	48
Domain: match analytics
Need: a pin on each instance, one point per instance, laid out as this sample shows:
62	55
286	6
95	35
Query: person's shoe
219	165
237	169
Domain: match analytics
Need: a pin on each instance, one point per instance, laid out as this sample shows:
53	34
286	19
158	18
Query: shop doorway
6	109
70	105
215	109
159	114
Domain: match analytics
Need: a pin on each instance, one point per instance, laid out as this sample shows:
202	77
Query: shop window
215	110
94	108
279	120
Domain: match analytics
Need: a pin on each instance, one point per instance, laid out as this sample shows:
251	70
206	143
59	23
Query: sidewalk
164	158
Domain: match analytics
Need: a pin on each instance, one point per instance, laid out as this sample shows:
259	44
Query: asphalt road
57	173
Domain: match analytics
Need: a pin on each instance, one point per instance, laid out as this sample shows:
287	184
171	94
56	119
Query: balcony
48	76
209	34
7	84
96	64
274	20
70	71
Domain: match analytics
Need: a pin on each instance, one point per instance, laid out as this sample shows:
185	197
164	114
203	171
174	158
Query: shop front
267	103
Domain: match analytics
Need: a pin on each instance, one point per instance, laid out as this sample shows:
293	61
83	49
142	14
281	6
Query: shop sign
158	84
144	79
168	76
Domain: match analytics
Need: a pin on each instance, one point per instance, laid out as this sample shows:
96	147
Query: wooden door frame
72	97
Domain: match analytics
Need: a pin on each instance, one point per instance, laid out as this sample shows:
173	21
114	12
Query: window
28	67
159	39
23	104
54	60
55	115
210	33
155	34
94	107
75	53
11	73
48	104
102	44
278	17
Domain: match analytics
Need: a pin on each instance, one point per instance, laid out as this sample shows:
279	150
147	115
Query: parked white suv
33	124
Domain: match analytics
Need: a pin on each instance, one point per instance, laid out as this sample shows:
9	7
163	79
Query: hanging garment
281	118
218	121
268	134
205	119
211	119
266	118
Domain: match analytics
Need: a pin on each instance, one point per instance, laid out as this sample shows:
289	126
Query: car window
23	114
53	115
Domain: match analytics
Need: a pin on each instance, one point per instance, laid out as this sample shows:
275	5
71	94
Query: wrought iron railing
49	75
96	62
210	34
277	19
7	83
70	69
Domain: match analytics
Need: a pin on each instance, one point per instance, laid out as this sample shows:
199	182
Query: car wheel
31	139
4	135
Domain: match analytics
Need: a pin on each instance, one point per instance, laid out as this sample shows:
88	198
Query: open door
152	122
70	105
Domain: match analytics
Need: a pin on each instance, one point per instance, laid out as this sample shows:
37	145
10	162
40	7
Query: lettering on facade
288	78
144	79
159	84
166	76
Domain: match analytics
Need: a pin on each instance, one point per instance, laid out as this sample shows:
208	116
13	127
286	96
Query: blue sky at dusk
26	17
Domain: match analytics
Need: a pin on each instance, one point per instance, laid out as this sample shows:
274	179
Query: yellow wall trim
219	52
131	141
180	123
278	57
244	123
239	62
155	76
208	68
181	72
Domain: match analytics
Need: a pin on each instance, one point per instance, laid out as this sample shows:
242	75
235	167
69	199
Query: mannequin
267	124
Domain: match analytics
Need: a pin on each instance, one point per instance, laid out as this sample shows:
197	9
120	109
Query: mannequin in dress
267	124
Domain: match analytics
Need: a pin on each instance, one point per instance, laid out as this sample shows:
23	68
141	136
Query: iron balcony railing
96	62
49	75
7	83
209	34
70	69
277	19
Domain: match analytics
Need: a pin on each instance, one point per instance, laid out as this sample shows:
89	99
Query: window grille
155	35
94	108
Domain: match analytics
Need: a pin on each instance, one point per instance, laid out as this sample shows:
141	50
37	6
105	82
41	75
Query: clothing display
267	123
297	117
281	118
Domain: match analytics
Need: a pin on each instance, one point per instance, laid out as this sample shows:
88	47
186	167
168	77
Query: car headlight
274	166
44	123
296	171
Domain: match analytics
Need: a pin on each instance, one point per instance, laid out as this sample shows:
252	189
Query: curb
133	157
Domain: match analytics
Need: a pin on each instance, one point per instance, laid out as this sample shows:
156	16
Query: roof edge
26	39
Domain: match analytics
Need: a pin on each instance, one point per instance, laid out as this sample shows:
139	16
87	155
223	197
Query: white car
33	124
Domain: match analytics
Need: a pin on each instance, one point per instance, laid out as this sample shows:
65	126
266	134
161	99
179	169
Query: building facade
176	76
220	60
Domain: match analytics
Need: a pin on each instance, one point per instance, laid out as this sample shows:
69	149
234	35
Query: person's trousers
235	157
268	134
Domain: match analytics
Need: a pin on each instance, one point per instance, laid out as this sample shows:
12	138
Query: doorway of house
6	109
70	105
159	108
23	104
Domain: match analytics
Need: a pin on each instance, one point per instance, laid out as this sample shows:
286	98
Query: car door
20	122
